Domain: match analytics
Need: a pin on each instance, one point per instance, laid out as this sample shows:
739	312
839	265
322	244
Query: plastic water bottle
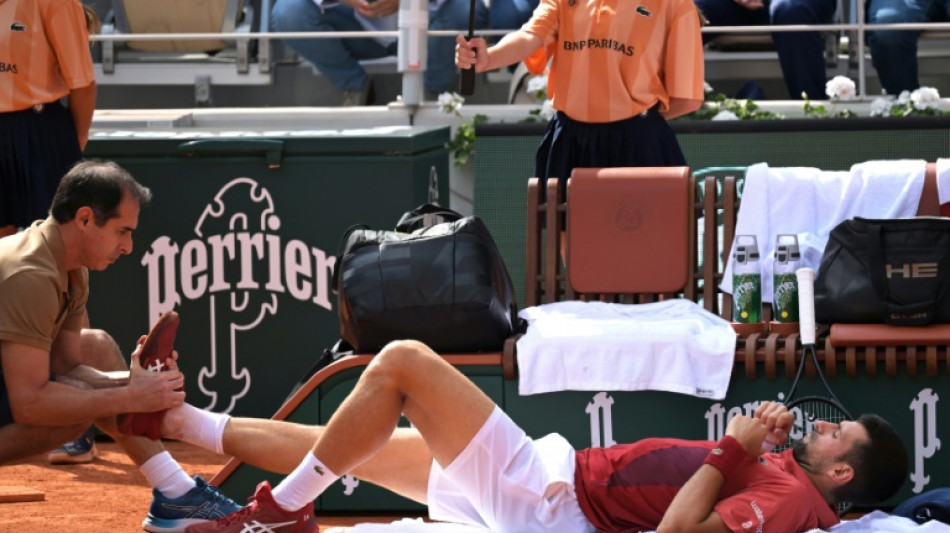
784	282
746	280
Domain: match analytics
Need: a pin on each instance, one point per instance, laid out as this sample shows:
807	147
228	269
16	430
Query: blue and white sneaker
77	452
201	504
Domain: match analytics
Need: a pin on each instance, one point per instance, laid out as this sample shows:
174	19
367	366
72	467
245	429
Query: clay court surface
108	495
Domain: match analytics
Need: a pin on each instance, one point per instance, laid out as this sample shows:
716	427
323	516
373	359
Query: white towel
417	525
810	202
943	180
881	522
674	346
873	522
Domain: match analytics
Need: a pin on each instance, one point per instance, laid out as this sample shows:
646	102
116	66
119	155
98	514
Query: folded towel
809	202
673	345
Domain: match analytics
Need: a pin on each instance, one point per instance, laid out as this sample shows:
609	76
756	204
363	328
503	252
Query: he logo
17	26
644	11
241	264
912	270
600	410
926	442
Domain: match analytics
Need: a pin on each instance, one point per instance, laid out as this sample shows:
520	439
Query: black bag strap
415	219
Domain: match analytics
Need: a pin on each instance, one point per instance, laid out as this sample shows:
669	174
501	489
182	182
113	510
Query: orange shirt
613	59
44	52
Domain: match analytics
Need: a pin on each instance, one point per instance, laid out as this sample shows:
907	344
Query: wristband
727	455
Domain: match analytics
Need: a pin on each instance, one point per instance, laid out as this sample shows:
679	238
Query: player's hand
155	391
471	52
750	432
778	421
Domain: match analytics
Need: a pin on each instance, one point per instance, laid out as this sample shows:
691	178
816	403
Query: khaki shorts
508	482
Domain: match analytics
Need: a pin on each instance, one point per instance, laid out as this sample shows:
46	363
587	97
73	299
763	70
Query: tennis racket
827	406
467	76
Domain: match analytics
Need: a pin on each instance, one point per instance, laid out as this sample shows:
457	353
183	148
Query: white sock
203	428
304	484
165	475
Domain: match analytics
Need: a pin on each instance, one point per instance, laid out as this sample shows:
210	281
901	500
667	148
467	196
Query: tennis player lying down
470	463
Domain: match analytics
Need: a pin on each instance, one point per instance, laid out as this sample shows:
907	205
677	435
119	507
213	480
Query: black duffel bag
893	271
444	284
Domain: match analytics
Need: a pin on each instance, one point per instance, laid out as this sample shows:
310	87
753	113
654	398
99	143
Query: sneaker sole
160	525
66	459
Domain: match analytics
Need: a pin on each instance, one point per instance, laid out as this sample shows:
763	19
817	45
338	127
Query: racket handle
806	304
467	76
467	81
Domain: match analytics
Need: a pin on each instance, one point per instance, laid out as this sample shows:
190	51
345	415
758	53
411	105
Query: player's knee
99	350
400	355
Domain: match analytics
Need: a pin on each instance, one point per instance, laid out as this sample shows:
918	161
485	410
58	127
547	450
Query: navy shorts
644	140
37	147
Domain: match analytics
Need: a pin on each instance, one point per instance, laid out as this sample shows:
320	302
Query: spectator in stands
894	53
44	57
338	59
800	54
48	394
510	14
618	72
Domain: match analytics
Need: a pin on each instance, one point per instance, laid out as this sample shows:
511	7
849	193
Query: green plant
462	144
740	109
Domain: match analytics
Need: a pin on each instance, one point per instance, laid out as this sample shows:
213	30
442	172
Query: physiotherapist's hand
154	391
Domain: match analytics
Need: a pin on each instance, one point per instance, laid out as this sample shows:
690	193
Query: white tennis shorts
509	483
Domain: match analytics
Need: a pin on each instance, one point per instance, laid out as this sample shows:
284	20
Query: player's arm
692	509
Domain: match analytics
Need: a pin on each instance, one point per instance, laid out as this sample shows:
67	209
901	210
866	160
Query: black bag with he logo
444	284
894	271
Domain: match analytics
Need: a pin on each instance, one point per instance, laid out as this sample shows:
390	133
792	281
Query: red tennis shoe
155	356
262	514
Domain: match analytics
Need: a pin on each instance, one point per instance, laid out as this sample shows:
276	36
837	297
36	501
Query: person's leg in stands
510	14
894	53
729	13
802	54
337	59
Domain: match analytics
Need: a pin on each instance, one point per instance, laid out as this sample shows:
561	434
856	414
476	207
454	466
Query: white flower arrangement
924	101
725	114
840	88
451	103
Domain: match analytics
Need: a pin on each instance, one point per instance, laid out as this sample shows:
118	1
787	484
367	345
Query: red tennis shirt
628	487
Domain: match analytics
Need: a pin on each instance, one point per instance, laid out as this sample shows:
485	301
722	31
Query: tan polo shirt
38	296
